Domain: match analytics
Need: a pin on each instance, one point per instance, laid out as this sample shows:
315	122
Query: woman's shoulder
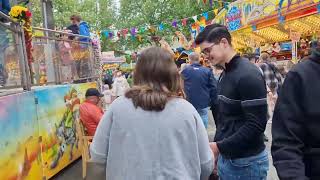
182	104
120	102
178	104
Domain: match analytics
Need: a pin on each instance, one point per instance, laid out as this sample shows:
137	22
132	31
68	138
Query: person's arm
100	144
205	153
5	7
213	89
288	131
253	93
96	115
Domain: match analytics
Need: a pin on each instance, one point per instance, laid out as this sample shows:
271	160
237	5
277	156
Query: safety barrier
58	57
13	67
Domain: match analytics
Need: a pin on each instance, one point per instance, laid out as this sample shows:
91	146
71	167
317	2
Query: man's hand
215	150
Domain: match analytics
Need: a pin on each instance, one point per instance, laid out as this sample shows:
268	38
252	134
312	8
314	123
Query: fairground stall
44	75
284	29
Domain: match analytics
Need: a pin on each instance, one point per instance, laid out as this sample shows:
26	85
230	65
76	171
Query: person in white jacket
120	85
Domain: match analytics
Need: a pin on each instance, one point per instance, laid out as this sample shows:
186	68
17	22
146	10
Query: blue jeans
250	168
204	116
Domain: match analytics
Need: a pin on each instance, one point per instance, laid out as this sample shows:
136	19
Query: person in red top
90	112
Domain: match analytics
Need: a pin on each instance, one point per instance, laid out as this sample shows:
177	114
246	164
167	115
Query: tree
98	13
35	7
102	15
139	13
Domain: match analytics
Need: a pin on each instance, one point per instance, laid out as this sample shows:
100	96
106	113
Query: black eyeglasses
206	51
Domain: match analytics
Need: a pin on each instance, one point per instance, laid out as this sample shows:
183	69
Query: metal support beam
47	14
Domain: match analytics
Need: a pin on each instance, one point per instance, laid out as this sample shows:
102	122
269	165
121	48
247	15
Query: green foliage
34	6
103	15
98	13
141	13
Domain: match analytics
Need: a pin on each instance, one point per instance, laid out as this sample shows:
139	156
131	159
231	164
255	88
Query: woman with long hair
152	133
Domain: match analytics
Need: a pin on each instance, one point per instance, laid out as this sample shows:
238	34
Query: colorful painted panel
19	145
58	107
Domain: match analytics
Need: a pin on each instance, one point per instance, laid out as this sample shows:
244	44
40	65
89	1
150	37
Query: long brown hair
155	81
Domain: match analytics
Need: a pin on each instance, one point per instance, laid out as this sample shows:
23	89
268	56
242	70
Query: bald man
199	86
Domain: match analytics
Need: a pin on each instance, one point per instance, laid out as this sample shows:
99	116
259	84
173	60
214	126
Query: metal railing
58	57
61	57
14	72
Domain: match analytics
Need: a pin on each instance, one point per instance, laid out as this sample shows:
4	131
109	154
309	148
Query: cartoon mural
58	107
37	131
20	143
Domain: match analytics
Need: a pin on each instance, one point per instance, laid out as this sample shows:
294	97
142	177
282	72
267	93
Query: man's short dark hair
76	18
213	34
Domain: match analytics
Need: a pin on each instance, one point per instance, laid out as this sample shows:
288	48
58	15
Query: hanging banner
233	18
295	38
294	51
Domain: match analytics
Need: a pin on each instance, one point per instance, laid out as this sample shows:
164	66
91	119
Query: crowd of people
157	128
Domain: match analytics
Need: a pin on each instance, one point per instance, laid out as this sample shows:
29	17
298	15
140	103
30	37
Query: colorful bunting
211	3
282	19
110	35
152	29
202	22
174	24
216	11
139	38
205	15
254	28
142	30
289	3
137	32
124	32
133	32
195	18
201	28
184	21
195	26
318	8
280	7
105	34
226	6
161	27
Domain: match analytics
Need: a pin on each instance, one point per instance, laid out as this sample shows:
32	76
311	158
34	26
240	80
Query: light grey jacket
147	145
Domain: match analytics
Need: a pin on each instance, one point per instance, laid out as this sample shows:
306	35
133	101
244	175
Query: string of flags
197	22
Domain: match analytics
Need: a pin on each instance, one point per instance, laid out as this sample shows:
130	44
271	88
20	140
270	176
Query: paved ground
74	171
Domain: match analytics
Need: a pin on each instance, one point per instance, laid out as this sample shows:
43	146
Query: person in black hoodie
296	122
74	27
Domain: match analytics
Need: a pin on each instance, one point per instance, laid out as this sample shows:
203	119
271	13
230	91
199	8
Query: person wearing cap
90	112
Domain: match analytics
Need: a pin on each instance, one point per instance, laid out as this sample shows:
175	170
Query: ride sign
233	18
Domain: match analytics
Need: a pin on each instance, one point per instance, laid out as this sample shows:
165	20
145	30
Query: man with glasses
242	109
